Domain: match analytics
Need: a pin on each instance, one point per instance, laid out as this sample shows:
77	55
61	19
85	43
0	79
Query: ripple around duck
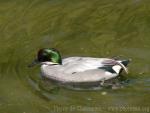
47	90
9	68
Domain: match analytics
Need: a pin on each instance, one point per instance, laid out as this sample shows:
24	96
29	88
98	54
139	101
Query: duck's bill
35	62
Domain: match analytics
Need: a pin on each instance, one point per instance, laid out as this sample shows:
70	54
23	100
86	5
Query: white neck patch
48	63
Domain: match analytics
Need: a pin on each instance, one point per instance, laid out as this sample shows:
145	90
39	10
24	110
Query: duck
78	70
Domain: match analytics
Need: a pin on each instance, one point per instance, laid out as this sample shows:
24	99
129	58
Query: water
97	28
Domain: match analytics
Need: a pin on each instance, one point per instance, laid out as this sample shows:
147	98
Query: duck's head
47	55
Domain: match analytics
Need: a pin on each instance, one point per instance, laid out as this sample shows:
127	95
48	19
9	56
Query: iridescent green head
49	55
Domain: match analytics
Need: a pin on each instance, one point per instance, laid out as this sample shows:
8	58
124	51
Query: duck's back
81	64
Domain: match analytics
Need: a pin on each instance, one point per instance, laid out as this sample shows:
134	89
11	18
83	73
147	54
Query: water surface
97	28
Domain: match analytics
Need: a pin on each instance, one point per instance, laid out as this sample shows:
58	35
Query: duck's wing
97	75
81	64
79	77
87	76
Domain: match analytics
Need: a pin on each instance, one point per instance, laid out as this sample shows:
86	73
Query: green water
97	28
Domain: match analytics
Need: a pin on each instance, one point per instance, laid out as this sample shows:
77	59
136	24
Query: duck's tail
121	65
